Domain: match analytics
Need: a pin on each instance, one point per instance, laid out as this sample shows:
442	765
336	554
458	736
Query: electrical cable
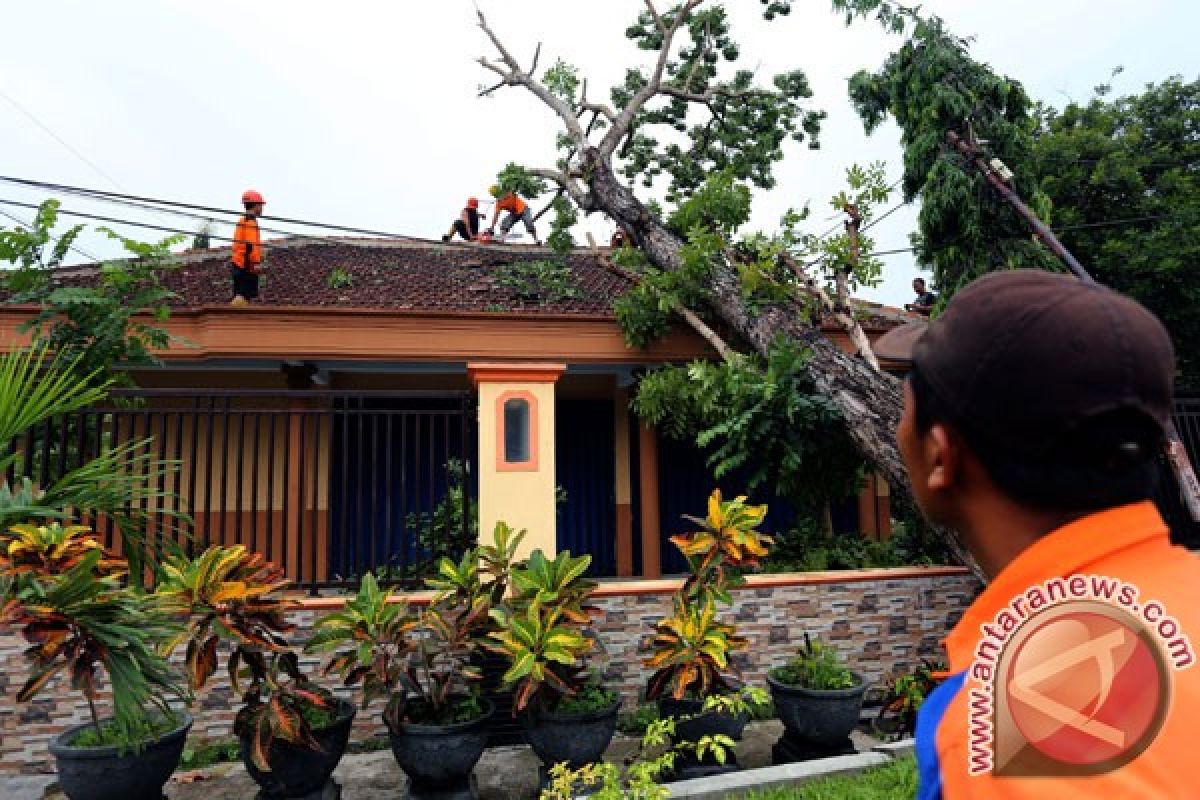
101	194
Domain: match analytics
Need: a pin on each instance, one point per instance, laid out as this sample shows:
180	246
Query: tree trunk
870	402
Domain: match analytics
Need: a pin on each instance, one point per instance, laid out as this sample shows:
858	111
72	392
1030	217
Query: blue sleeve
929	774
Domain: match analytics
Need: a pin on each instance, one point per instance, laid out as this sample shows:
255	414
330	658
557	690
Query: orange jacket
510	202
247	246
1158	586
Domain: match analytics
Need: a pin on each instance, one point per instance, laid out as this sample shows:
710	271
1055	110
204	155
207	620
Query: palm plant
83	620
118	482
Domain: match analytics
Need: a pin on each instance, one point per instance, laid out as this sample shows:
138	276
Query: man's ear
943	454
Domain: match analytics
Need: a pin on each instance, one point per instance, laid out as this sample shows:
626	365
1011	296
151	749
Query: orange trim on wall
502	465
480	372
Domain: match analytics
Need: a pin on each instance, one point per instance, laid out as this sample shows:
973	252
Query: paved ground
505	773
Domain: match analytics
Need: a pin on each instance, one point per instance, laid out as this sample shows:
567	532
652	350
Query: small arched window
517	432
517	448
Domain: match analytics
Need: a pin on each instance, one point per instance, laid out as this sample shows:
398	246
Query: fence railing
327	484
1184	530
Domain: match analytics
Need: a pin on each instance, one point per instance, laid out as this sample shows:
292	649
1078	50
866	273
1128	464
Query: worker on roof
467	224
517	209
246	257
1035	412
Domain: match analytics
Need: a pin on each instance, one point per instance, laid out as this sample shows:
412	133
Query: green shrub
816	666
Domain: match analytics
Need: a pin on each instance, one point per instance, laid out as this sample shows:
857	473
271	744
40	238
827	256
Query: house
322	425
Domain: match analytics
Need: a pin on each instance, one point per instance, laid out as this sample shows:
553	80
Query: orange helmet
251	196
472	202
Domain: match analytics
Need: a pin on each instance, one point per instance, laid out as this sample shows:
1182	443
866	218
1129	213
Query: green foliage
762	418
538	281
110	735
932	85
748	125
376	636
118	482
642	772
518	180
225	593
280	704
83	620
894	781
102	326
208	754
442	533
727	543
590	697
339	278
560	239
690	650
836	255
903	697
817	666
539	630
1133	158
562	79
806	547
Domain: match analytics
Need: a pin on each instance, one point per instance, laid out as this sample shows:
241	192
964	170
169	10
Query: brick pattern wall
880	626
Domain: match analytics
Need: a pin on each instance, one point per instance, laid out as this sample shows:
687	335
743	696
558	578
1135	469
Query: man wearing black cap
1033	415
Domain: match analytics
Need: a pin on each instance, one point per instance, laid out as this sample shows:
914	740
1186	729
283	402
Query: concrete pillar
622	483
648	483
516	450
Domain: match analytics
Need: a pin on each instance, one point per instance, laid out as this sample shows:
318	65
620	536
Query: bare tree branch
513	75
568	181
624	121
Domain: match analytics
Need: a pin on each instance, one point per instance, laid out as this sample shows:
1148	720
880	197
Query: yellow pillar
516	450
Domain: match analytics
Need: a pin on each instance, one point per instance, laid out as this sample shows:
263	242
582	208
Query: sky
366	114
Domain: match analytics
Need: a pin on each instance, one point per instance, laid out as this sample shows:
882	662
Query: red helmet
472	202
251	196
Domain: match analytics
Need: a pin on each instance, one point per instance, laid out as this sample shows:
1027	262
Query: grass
895	781
108	736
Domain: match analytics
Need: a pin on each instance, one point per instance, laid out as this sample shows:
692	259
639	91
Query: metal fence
1184	530
327	484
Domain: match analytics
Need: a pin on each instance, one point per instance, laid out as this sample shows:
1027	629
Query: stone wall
882	622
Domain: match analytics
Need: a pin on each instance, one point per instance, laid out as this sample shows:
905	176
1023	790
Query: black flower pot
438	759
297	771
101	773
503	729
818	716
700	725
576	738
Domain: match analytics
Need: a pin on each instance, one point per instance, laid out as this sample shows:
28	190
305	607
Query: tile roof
407	275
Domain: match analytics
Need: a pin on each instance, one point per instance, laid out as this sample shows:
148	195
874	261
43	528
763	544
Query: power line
29	226
102	194
29	115
116	220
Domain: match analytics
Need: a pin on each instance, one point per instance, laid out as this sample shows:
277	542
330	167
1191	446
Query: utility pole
997	176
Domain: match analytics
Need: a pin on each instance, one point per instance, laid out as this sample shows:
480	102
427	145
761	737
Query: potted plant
817	697
567	716
68	598
903	697
420	663
692	647
293	733
485	572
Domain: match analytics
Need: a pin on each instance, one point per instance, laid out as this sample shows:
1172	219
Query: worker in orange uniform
517	209
246	257
467	224
1034	414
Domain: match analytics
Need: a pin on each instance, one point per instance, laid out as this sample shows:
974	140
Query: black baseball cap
1025	357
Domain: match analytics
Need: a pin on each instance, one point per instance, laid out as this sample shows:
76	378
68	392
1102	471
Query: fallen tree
733	127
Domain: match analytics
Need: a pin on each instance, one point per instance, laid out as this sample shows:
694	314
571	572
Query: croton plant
691	648
229	593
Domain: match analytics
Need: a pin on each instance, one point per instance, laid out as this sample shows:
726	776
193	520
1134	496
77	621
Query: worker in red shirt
517	209
1034	413
246	257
